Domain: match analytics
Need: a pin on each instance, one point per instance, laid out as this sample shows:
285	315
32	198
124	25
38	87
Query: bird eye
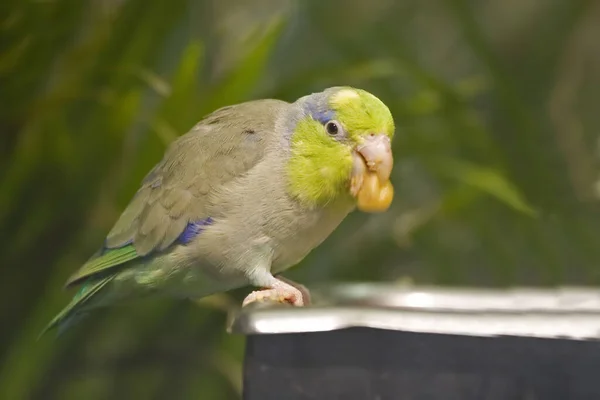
333	128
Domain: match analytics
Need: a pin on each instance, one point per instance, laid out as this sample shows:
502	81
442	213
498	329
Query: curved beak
376	150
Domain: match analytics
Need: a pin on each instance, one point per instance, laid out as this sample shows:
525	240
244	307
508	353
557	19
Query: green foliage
488	181
495	159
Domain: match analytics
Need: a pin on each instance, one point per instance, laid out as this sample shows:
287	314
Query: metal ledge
572	313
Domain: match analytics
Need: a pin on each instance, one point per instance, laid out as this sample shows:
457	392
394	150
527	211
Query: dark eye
333	127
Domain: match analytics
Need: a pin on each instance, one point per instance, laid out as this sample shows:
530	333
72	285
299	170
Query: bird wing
173	196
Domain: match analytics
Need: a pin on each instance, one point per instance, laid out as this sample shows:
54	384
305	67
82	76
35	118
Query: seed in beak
373	195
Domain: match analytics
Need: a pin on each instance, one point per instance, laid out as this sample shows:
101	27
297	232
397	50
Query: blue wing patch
193	229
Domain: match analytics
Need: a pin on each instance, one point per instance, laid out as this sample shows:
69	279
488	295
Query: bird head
340	136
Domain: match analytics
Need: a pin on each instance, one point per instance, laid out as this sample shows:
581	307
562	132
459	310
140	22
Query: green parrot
247	193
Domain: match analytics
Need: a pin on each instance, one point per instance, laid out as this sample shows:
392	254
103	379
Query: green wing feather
105	261
70	312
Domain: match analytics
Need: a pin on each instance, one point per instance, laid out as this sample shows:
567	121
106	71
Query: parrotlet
248	192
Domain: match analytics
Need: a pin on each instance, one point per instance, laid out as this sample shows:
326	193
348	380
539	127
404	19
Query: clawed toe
294	297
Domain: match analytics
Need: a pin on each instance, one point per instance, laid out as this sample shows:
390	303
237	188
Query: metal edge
576	326
569	312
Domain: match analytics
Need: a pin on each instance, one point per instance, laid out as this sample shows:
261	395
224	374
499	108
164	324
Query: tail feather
75	310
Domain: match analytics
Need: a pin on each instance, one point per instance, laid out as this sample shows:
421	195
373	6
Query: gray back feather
223	146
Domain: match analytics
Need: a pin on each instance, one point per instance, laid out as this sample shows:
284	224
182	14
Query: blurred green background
497	156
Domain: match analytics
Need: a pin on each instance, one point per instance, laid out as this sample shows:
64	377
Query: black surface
362	363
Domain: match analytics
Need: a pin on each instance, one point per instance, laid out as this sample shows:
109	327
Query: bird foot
280	292
306	297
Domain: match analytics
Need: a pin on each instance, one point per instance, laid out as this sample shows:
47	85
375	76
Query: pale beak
377	153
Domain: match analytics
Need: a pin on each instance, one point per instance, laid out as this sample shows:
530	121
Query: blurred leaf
241	80
179	111
489	181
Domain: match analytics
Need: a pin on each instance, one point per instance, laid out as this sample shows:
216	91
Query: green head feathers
361	113
331	125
